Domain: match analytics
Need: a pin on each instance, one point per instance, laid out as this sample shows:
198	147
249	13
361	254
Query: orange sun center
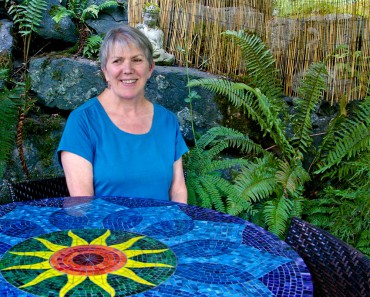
88	260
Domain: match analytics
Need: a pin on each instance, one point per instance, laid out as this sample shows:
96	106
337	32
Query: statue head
151	8
150	14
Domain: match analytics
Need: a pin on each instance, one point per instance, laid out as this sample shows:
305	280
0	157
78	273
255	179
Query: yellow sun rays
100	280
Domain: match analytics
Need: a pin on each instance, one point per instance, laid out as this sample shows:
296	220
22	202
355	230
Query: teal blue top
125	164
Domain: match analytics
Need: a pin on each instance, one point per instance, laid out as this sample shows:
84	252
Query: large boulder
65	83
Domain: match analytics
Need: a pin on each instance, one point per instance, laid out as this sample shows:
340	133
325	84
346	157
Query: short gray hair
125	35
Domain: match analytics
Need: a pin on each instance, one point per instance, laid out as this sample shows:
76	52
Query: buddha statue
155	35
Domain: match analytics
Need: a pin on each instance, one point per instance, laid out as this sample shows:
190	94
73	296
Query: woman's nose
127	67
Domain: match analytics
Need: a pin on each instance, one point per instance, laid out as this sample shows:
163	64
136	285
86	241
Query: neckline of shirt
110	122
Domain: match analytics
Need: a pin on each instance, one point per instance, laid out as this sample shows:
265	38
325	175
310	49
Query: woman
119	143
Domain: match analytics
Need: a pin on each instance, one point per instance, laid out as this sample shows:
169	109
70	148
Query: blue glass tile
217	255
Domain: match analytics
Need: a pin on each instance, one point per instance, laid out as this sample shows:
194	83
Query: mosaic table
111	246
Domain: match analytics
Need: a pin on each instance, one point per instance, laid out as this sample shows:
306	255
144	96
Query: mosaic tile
61	263
7	208
19	228
205	248
3	248
203	214
115	246
169	228
137	202
64	220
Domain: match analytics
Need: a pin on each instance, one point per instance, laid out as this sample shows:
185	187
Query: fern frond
61	12
257	106
256	181
349	145
298	204
238	207
310	90
215	188
328	141
28	16
277	215
92	47
107	4
291	177
91	11
363	242
260	66
355	172
229	138
9	104
344	213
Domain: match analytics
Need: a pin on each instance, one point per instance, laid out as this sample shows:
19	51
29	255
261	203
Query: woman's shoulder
163	110
165	115
89	105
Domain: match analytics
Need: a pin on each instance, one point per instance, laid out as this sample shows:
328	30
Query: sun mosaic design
77	262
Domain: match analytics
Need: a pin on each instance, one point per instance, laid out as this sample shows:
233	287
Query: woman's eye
137	60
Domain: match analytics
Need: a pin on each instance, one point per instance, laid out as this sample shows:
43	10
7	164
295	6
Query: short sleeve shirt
124	164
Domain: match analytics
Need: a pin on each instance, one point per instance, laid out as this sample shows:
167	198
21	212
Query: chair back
37	189
337	269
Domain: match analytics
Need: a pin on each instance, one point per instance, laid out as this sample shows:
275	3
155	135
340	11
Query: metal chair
40	188
337	269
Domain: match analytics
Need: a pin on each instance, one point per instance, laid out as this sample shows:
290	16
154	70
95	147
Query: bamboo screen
296	40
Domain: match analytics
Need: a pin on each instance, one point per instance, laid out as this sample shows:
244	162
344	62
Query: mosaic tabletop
114	246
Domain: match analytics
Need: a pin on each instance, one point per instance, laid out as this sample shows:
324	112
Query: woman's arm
79	174
178	191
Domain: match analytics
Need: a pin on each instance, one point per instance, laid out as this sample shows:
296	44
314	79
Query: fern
344	213
268	188
28	15
222	138
351	141
277	214
256	180
260	65
80	11
92	47
257	106
310	92
291	177
10	101
205	181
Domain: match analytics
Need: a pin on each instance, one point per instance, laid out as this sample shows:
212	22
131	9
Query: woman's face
127	71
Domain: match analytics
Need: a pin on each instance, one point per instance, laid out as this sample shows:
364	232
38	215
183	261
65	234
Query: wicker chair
40	188
337	269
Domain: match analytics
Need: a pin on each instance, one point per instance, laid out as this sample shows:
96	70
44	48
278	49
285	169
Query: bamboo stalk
197	25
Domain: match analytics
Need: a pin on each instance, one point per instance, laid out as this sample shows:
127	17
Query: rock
6	38
65	30
167	86
109	18
6	43
66	83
